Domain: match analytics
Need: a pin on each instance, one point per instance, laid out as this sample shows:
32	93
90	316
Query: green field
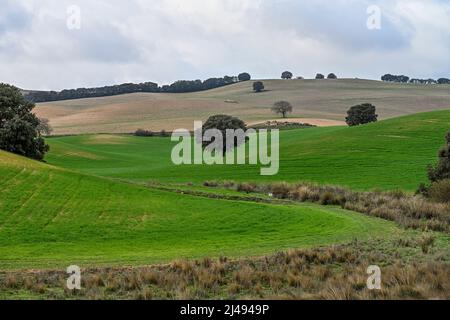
390	154
88	205
51	217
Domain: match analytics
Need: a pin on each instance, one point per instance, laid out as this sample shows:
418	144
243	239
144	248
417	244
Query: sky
57	44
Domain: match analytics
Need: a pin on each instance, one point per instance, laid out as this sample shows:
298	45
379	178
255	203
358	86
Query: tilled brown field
319	102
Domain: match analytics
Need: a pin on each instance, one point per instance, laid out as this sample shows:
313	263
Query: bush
320	76
143	133
440	191
442	170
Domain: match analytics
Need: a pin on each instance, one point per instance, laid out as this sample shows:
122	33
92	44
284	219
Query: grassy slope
326	99
389	154
51	218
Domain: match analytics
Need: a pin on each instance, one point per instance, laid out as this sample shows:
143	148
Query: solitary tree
332	76
320	76
361	114
222	123
442	170
244	76
443	81
287	75
19	127
258	86
282	107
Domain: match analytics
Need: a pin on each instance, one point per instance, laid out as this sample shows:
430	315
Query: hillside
313	100
390	154
51	217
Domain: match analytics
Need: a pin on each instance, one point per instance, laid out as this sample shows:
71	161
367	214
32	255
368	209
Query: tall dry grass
410	211
337	272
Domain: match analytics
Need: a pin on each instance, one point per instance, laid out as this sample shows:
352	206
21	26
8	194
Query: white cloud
166	40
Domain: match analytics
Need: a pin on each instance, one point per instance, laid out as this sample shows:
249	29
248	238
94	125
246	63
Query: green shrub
442	170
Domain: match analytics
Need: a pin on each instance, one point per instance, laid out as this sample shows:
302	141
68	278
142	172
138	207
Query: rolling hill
52	218
390	154
313	100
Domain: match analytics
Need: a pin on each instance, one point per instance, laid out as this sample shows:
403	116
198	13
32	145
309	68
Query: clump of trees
183	86
439	176
176	87
244	76
223	123
282	108
286	75
20	130
44	96
394	78
320	76
405	79
148	133
258	86
361	114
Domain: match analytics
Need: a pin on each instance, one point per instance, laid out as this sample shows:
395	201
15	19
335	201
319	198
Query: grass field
50	218
312	99
116	206
390	154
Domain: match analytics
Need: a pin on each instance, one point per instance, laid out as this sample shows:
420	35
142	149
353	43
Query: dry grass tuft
336	272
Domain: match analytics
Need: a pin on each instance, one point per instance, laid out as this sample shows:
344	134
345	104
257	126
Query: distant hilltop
186	86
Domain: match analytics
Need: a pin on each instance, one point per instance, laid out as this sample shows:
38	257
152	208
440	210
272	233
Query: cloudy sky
166	40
